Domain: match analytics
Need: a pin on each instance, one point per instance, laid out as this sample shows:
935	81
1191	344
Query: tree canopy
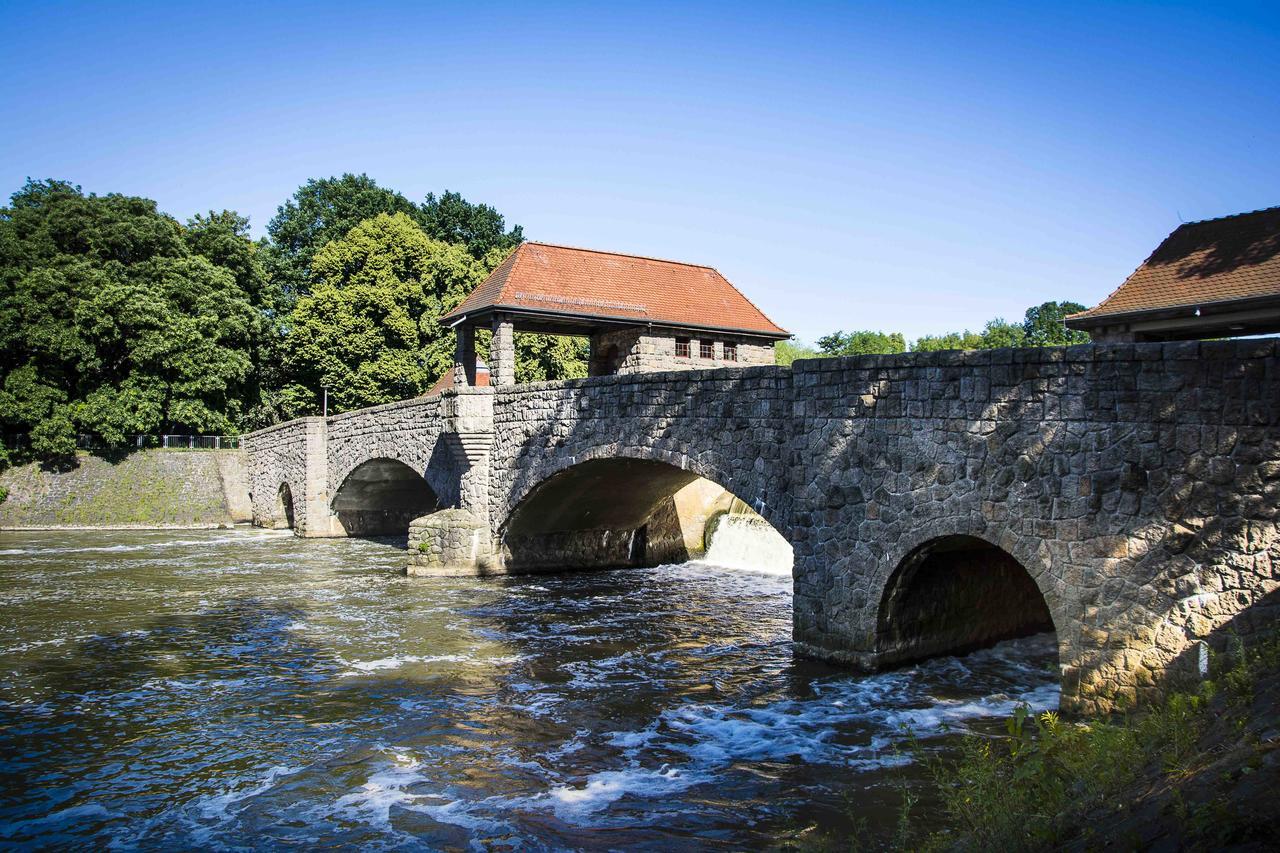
862	343
323	210
478	227
117	320
368	331
1042	326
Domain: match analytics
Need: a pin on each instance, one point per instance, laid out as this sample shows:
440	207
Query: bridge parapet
1136	486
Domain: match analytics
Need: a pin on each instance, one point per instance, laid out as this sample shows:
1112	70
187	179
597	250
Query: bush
1031	788
54	438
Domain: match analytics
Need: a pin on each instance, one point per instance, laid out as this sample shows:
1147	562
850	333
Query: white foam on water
397	661
218	806
607	787
750	543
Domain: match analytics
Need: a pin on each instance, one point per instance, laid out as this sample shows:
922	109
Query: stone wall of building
634	350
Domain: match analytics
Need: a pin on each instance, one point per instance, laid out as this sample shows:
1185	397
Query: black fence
19	441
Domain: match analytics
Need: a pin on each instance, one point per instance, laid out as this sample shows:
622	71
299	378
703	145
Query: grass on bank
1047	782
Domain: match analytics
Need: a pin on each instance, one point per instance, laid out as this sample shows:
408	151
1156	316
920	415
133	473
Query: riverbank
150	489
1198	772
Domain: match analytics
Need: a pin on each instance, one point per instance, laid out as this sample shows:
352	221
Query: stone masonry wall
730	426
277	457
634	351
1137	484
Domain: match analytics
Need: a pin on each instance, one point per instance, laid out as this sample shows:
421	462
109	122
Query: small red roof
548	279
1201	263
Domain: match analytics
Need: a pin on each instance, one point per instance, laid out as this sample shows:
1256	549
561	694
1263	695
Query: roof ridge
1228	216
620	254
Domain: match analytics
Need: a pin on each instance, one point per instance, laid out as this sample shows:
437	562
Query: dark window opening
707	349
730	352
682	347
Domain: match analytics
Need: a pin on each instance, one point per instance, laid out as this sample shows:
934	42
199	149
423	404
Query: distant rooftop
549	280
1226	262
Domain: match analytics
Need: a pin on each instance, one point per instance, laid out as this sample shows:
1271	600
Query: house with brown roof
640	314
1211	279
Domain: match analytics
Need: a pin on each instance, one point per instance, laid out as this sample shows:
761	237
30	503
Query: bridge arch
533	474
604	509
380	496
956	592
285	514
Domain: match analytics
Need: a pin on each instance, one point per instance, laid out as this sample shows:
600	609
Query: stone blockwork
638	350
451	542
1137	485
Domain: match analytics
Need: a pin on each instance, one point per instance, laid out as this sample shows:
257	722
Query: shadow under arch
612	512
284	515
954	594
379	497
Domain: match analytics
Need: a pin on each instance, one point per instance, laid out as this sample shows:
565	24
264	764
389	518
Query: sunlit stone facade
1137	486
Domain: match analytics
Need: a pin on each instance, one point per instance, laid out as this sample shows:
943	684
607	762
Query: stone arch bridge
1123	495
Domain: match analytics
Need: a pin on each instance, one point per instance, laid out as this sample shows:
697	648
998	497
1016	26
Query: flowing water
247	689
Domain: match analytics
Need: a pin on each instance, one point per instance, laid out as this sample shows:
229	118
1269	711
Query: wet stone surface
248	689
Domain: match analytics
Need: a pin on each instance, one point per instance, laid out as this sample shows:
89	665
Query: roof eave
778	334
1086	320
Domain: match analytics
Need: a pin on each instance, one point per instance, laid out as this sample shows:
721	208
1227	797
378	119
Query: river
246	689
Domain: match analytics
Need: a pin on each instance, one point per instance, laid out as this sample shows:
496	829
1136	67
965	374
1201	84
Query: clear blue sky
849	166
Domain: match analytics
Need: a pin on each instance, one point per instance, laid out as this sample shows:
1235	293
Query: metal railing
167	441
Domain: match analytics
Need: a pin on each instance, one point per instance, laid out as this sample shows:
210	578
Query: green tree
862	343
114	322
481	229
323	210
951	340
996	334
541	358
368	329
786	352
1044	326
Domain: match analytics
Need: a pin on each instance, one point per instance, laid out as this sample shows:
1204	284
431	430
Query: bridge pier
1135	486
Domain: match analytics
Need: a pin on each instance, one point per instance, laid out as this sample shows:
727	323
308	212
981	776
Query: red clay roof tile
606	285
1215	260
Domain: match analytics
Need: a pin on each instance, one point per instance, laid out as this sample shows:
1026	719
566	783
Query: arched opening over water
610	513
380	497
956	594
284	508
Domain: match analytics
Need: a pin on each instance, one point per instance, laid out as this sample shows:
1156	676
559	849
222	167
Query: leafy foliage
785	352
323	210
1044	325
862	343
481	229
117	320
997	333
1031	788
368	330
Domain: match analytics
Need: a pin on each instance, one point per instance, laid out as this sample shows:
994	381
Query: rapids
252	690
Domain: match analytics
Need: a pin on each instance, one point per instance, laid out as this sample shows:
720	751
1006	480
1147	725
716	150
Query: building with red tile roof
1208	279
640	314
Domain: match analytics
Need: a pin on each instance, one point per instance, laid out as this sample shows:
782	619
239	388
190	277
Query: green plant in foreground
1029	788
